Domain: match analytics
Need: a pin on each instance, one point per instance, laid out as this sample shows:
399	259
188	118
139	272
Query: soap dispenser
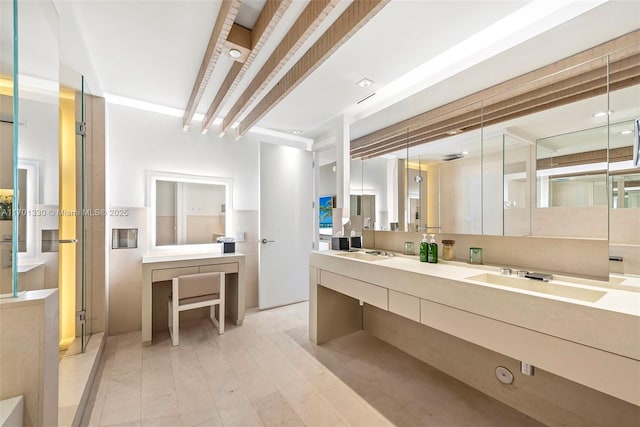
424	248
432	250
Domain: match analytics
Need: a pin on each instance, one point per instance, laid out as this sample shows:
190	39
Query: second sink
542	287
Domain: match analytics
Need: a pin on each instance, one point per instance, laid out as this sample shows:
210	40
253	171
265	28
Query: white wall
141	141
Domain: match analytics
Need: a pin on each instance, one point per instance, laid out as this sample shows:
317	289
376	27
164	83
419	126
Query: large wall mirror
551	158
188	210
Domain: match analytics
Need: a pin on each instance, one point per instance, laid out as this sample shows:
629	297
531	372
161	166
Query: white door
286	225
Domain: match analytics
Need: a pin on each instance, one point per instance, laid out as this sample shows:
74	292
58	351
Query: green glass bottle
424	247
432	250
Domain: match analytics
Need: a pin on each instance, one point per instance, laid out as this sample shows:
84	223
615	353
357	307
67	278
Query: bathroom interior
540	175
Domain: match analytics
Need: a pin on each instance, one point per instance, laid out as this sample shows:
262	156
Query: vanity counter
159	267
567	336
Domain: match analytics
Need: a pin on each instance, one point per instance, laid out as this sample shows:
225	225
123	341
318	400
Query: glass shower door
74	182
81	279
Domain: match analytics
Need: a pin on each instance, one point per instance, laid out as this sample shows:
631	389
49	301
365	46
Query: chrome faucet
545	277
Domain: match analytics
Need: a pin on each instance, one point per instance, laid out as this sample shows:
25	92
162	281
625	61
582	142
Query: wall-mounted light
626	132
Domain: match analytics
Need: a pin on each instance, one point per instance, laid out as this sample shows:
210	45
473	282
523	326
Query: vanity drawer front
371	294
231	267
163	274
405	305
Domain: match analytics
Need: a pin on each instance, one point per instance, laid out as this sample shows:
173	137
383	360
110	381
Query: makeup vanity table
162	267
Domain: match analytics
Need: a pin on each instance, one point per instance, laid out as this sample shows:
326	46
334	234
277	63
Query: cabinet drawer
363	291
231	267
405	305
169	273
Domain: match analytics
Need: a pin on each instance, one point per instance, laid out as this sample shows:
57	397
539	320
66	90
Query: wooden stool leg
221	307
175	314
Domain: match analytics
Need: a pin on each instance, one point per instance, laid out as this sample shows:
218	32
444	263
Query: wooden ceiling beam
226	15
306	24
267	20
347	24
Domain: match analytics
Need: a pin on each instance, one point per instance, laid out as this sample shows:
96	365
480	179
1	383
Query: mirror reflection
327	195
571	169
189	212
625	191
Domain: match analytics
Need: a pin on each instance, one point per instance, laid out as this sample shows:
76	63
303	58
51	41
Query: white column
343	163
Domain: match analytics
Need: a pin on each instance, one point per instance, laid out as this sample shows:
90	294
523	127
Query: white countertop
27	298
28	266
611	323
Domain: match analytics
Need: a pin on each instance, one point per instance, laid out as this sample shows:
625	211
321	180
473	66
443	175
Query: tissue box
340	243
228	247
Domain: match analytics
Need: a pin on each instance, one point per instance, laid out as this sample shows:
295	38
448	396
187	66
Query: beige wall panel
247	221
578	222
579	257
625	226
125	275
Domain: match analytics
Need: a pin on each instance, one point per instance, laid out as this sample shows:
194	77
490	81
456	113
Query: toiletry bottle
424	246
432	250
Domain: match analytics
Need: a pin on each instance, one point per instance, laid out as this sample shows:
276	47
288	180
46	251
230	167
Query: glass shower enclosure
43	228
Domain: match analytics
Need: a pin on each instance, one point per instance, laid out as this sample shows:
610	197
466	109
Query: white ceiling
151	50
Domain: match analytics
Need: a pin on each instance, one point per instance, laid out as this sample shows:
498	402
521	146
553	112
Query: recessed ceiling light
365	82
454	131
602	114
626	132
296	132
235	53
464	153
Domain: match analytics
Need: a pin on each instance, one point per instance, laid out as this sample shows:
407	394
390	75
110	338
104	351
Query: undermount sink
559	290
363	256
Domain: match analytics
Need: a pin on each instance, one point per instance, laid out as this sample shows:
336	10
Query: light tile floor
266	372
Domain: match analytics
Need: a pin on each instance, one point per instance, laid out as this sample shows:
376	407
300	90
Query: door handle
68	241
265	241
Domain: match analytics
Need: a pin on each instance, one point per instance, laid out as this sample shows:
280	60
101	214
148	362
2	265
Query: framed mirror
188	210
